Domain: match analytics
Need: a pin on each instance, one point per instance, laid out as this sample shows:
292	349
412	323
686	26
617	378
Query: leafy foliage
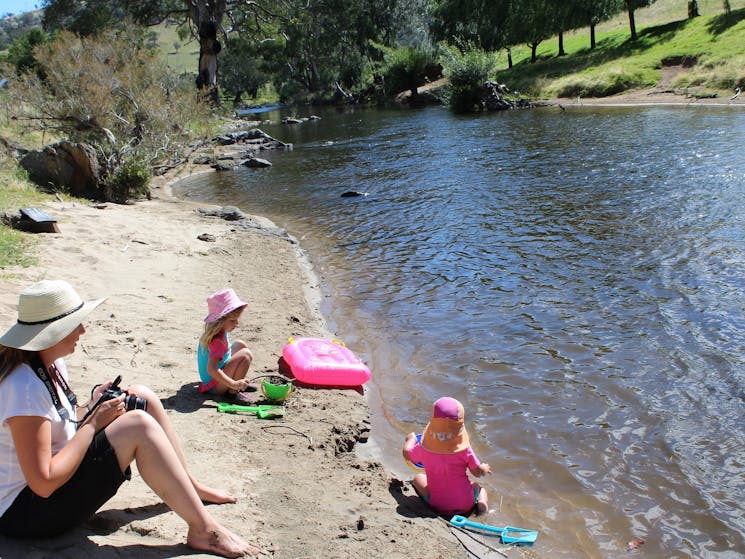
129	180
112	92
21	51
242	68
467	69
406	68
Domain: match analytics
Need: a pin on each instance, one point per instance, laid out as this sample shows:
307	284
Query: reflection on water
576	279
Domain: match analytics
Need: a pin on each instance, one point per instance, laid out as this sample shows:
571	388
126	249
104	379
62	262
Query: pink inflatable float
324	362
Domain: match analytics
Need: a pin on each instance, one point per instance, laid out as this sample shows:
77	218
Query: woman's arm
32	437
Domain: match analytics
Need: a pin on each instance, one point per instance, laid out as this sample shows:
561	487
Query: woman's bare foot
221	541
212	495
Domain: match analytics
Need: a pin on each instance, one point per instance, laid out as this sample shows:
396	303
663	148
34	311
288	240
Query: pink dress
450	488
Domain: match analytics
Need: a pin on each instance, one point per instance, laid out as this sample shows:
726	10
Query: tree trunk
593	42
533	49
632	23
727	7
692	9
562	52
207	17
509	57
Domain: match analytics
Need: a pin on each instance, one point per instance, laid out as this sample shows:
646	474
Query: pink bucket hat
221	303
445	433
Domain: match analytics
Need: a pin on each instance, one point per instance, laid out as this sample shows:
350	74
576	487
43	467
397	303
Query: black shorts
96	481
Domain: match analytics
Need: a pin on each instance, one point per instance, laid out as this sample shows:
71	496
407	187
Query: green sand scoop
262	412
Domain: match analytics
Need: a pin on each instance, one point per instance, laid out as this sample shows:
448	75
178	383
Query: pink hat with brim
221	303
446	433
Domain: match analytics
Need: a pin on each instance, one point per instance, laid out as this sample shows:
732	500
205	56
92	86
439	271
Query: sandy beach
303	491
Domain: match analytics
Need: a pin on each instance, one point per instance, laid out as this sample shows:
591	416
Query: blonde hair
212	329
10	358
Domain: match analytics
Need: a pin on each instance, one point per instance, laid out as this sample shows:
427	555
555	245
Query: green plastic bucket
275	391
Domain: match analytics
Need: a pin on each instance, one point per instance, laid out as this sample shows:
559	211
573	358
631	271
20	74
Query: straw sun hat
445	433
47	312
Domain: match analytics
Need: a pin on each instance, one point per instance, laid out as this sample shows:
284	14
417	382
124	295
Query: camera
131	401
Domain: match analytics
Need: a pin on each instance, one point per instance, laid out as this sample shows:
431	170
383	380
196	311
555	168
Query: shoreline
157	274
309	484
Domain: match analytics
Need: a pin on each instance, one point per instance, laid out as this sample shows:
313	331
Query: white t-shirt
22	393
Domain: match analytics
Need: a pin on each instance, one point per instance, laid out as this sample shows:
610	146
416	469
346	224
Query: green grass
712	45
181	56
16	191
16	248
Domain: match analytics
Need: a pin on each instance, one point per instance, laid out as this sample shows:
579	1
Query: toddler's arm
409	443
481	470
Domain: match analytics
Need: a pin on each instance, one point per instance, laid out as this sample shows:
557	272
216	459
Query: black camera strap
48	381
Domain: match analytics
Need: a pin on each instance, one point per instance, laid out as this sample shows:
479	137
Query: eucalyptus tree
316	42
204	18
483	23
631	7
592	12
534	21
327	43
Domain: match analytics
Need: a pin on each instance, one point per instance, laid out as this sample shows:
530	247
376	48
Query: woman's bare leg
136	436
155	409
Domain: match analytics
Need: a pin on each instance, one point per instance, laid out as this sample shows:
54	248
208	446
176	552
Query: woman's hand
106	412
99	390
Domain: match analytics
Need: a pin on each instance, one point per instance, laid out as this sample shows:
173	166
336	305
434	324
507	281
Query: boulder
256	162
228	213
69	166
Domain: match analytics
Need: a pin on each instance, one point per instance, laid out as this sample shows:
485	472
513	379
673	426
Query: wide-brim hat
446	433
47	312
221	303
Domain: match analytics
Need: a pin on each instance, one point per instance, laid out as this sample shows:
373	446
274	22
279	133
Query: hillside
701	57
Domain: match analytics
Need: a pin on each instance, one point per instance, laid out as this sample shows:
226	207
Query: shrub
112	92
405	68
129	180
467	70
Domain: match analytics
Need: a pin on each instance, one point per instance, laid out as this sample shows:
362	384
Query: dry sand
303	491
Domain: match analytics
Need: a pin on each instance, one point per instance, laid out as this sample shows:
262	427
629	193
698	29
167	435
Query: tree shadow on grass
719	24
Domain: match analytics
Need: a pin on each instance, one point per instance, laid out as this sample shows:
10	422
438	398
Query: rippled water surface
574	278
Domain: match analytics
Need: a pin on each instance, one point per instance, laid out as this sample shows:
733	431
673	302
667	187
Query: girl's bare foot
221	541
212	495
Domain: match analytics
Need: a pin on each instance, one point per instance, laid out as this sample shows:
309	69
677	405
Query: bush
129	180
467	70
406	68
112	92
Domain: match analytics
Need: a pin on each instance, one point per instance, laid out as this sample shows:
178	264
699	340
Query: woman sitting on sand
59	460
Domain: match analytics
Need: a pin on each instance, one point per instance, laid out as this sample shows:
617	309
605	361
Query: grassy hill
710	50
181	56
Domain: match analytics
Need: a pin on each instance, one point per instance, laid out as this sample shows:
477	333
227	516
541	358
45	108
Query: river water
574	278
